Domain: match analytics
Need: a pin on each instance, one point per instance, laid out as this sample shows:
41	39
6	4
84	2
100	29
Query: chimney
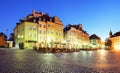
80	26
33	11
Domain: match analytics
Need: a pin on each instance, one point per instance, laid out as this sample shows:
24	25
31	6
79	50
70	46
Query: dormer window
43	19
40	19
51	20
34	20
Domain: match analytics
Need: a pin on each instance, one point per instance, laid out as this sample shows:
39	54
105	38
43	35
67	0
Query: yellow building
75	37
25	34
39	29
95	42
115	41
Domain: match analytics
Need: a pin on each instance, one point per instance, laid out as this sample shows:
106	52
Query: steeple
110	33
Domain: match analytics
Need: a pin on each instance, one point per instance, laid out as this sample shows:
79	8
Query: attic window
34	20
40	19
43	19
51	20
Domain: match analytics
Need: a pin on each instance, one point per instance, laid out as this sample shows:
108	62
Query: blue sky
97	16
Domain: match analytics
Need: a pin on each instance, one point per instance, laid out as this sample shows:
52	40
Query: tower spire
110	33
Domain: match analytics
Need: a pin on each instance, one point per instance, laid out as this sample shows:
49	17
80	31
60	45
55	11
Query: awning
31	41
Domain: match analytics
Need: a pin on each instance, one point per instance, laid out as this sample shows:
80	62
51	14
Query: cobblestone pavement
29	61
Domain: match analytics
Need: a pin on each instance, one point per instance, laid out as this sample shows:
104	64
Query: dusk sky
97	16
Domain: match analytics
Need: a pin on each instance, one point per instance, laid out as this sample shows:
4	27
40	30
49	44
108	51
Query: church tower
110	34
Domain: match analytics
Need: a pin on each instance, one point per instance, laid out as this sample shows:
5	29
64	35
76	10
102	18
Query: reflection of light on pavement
117	47
64	55
19	56
102	58
48	57
102	52
87	53
76	55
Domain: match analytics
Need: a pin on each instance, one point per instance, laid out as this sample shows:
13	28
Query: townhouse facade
39	29
95	42
114	40
76	37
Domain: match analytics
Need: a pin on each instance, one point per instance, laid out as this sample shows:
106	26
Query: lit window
34	20
48	31
43	19
40	19
51	32
51	20
40	25
35	35
40	31
34	28
30	28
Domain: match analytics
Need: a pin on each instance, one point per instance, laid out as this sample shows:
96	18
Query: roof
35	17
2	34
94	36
68	27
116	34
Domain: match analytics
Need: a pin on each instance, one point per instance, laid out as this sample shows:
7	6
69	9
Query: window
34	20
43	19
40	31
35	35
30	28
34	28
51	20
51	32
44	26
40	19
30	34
40	25
48	31
48	25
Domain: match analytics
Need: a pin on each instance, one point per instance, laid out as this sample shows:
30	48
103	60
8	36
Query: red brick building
3	42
